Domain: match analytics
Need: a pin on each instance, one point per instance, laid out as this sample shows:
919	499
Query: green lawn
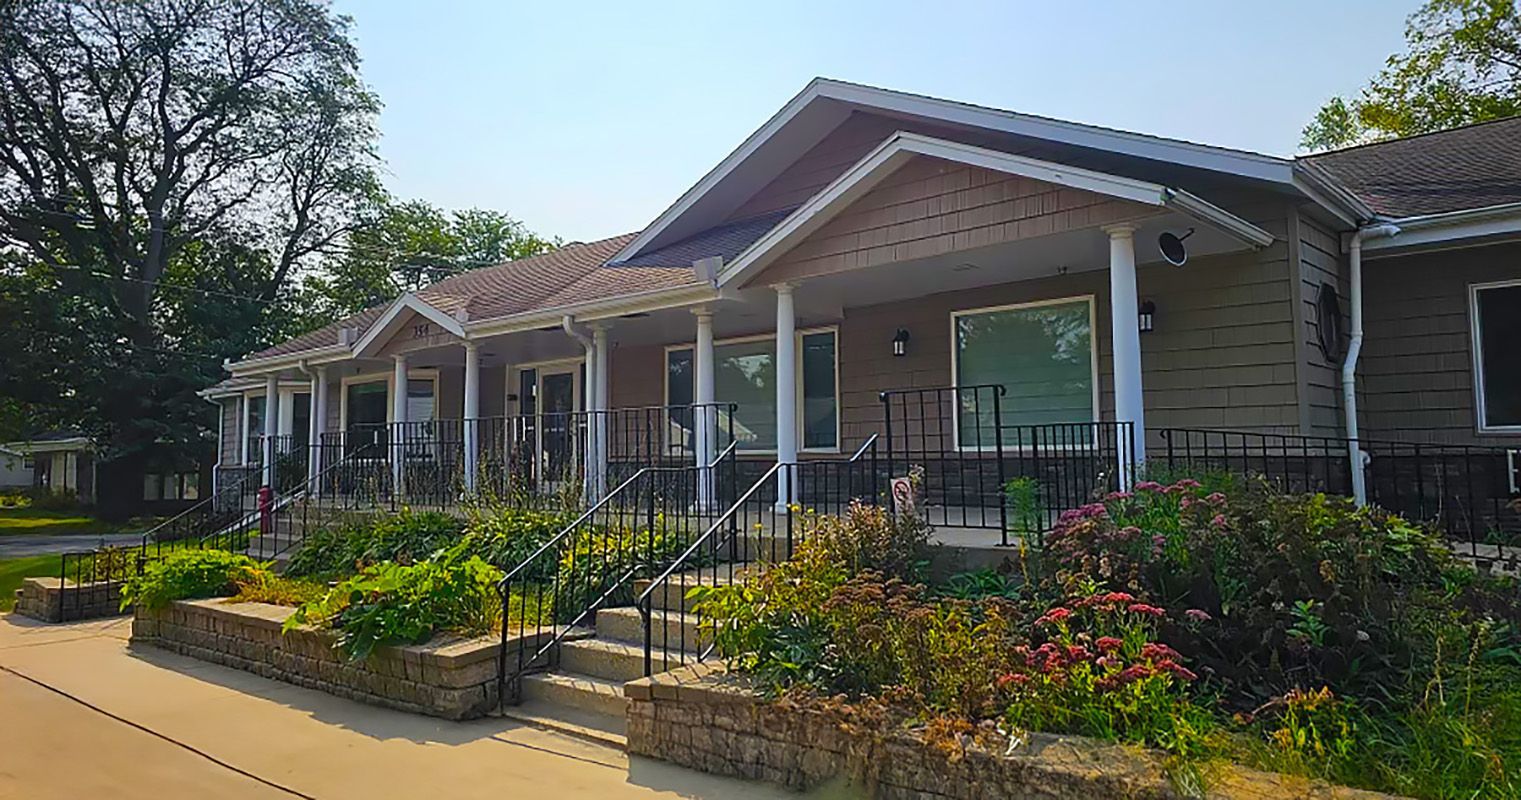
35	521
12	571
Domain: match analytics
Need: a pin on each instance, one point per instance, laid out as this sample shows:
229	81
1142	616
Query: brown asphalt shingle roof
1469	167
574	273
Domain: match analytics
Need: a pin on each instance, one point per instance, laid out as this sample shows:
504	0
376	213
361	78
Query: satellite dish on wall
1172	247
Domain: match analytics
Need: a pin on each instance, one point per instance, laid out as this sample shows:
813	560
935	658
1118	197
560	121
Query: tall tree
412	244
148	151
1462	65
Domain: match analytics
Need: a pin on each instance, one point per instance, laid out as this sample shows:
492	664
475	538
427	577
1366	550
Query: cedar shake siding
931	207
231	453
1319	264
1415	377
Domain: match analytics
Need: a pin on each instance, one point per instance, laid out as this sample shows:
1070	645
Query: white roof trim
900	147
50	445
1449	228
385	327
1236	162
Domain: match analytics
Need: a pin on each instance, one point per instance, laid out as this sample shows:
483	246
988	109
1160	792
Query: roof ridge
1411	138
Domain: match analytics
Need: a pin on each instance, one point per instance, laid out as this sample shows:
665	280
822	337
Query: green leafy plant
980	585
361	540
266	587
189	574
390	603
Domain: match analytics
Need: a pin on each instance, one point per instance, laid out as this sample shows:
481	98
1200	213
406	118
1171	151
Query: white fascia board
653	300
900	147
1208	212
326	354
51	446
385	327
1314	183
1450	228
1235	162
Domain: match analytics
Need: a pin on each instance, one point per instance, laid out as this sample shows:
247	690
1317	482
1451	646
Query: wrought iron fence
1468	491
976	469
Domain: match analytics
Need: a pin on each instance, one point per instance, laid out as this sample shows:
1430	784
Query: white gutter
1349	364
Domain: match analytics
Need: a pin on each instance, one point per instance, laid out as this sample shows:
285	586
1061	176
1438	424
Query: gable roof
893	153
575	273
1475	166
824	103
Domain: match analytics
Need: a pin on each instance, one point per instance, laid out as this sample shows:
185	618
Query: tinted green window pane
820	412
1042	356
1499	331
746	375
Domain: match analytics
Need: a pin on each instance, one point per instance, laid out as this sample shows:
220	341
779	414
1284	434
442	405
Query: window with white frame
1496	312
745	375
1042	354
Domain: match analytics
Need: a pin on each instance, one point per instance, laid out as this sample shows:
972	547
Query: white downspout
588	344
1349	364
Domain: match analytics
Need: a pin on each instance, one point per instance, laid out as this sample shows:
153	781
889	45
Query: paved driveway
85	715
19	545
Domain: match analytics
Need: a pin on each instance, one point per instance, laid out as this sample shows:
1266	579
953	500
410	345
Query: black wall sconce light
900	343
1148	313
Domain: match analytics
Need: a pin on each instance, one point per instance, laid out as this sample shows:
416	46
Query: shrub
189	574
870	538
360	541
266	587
44	499
390	603
505	536
594	563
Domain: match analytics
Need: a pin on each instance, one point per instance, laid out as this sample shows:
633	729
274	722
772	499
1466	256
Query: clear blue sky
586	120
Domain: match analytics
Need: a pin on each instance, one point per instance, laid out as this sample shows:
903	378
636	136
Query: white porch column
704	415
318	428
789	485
600	393
1124	329
397	430
271	426
472	413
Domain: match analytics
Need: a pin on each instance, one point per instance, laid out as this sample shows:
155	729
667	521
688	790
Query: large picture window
745	374
1041	354
1497	362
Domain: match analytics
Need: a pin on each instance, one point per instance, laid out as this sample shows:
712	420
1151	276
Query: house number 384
421	330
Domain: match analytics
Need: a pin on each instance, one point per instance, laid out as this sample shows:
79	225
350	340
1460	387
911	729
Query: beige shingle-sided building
980	289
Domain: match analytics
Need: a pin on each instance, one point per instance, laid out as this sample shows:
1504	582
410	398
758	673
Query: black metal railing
762	526
632	532
241	516
977	470
1469	492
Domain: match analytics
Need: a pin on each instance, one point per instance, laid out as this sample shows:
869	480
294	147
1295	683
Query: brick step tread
574	690
670	629
612	661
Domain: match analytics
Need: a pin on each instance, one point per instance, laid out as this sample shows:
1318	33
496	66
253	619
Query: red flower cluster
1142	608
1055	615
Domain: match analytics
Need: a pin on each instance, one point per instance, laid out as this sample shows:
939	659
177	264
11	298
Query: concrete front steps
583	695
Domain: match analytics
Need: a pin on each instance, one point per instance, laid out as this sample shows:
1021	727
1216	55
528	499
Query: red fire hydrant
266	510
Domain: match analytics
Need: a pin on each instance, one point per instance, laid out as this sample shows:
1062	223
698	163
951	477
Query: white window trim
1093	361
515	380
665	382
388	378
1476	347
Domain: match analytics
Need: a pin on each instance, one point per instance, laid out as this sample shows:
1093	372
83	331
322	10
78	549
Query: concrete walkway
26	544
86	715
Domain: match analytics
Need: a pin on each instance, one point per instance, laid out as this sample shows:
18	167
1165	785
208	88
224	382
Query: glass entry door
558	400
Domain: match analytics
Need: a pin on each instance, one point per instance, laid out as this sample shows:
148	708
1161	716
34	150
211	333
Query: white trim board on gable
831	101
896	151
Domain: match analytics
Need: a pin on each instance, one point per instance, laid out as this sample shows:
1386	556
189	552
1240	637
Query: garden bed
716	722
449	677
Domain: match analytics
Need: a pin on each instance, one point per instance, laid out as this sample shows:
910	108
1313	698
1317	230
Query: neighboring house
61	461
866	241
15	469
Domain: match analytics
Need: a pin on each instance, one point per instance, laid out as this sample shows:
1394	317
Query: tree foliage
409	245
1462	65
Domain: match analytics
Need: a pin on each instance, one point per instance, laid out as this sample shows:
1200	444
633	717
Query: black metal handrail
806	485
584	572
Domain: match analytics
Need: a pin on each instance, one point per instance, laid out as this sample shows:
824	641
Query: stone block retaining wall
714	723
453	678
43	599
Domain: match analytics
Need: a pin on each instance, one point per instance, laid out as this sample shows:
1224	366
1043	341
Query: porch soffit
1082	199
